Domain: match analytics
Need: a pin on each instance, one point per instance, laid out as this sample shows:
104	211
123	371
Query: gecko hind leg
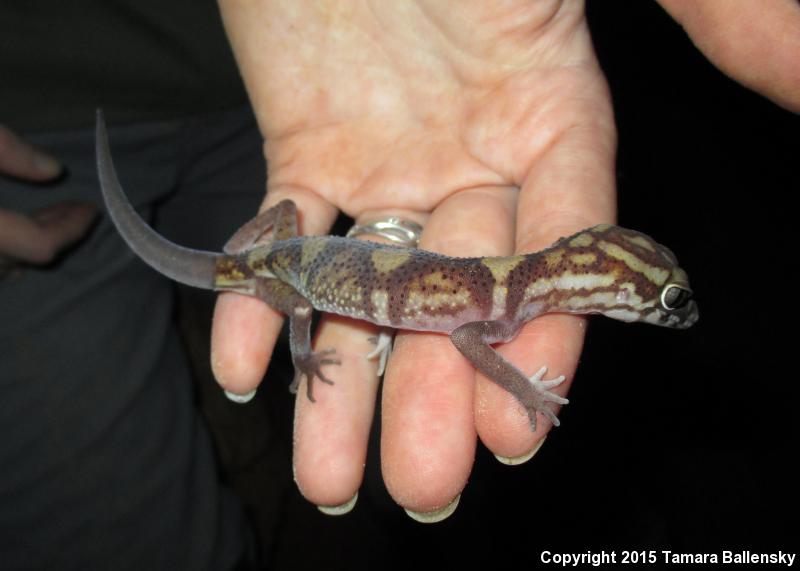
474	341
277	223
307	362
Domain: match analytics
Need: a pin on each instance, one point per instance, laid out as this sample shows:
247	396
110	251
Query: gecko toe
552	417
310	393
551	383
546	412
551	397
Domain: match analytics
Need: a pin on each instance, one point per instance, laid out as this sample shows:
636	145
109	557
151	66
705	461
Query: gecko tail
187	266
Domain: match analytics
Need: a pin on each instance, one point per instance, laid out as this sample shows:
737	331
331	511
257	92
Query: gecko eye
674	297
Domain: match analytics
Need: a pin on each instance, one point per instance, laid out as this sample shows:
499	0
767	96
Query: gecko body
608	270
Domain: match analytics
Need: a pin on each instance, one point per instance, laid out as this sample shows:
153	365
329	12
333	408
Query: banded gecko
605	269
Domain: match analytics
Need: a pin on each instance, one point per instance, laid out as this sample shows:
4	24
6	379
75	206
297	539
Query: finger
428	440
38	238
17	234
568	188
22	160
245	329
64	224
331	435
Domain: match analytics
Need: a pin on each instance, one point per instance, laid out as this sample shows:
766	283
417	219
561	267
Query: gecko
482	301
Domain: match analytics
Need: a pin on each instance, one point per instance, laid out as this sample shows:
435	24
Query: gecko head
651	286
674	306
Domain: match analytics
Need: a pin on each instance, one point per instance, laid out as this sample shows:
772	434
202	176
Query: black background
674	440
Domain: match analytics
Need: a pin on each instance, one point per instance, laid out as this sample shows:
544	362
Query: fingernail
240	399
435	516
339	510
516	461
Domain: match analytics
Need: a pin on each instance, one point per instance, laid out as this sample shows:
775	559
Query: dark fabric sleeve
138	59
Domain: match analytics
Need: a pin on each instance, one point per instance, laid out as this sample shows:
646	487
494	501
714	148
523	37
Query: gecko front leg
383	348
474	341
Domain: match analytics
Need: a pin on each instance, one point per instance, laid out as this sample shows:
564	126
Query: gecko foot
382	350
541	395
310	366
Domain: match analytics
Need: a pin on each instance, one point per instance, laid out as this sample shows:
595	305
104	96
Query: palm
404	110
422	108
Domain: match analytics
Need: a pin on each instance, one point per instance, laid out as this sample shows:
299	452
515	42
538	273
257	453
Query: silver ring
402	232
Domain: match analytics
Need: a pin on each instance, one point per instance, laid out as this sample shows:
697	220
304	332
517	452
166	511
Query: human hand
491	124
36	238
755	43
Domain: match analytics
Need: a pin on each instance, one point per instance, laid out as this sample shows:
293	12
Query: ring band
402	232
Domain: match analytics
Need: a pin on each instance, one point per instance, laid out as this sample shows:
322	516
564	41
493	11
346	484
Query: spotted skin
605	269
